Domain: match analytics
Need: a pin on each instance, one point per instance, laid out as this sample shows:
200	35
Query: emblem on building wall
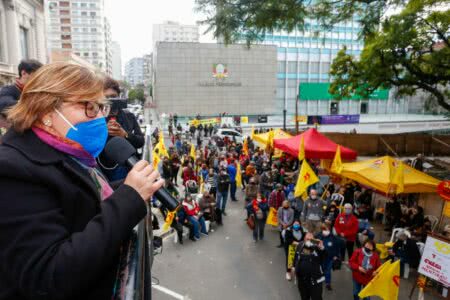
220	71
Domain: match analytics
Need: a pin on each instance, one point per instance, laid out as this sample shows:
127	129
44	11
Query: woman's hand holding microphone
144	179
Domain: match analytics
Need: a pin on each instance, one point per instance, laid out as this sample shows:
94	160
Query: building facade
210	79
116	61
22	35
80	27
135	71
306	57
175	32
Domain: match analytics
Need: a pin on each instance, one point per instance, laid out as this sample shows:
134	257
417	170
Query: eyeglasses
91	108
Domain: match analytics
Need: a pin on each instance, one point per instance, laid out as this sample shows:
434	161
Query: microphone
120	151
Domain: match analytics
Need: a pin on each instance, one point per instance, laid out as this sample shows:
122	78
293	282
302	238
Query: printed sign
301	119
435	262
443	190
333	119
196	122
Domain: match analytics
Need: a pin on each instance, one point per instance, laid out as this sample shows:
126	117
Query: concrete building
82	28
209	79
171	31
22	35
116	61
135	71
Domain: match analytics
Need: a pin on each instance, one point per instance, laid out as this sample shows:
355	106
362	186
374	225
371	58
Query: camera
117	104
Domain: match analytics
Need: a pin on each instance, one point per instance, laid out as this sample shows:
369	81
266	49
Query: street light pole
284	119
296	110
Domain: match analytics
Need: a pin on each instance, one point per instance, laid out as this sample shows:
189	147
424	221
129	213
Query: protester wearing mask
292	236
333	249
266	182
223	182
259	209
285	217
308	261
231	169
312	212
211	181
66	226
363	263
346	226
331	214
194	216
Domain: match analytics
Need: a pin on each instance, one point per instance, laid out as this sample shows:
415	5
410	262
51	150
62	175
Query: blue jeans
327	266
197	226
357	288
222	200
233	190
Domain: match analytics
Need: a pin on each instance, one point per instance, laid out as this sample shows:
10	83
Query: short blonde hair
48	87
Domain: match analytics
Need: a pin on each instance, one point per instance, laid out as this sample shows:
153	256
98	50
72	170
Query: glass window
303	67
314	67
281	67
292	83
292	67
93	14
325	68
364	108
280	83
24	42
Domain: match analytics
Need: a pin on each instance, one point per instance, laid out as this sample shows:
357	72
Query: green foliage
136	93
410	52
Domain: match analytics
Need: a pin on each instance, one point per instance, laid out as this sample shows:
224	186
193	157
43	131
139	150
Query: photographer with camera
120	123
309	257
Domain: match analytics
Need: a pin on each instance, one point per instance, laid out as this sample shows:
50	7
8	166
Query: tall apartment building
116	60
22	35
171	31
81	28
134	71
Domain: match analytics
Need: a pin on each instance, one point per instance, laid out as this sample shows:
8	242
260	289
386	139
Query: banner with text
333	119
435	262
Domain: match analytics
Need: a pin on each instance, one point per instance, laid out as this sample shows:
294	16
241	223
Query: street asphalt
227	264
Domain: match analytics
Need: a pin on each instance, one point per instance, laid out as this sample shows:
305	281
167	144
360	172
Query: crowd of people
329	229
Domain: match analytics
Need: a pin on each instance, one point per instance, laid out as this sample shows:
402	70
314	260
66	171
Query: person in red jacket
188	174
363	263
346	226
194	216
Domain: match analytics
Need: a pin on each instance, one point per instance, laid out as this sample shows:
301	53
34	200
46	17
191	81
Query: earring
48	123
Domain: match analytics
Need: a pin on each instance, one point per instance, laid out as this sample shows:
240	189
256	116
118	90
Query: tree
136	93
408	50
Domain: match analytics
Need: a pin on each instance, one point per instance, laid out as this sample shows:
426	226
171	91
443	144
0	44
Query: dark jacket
308	266
9	95
408	252
223	182
57	239
129	123
331	243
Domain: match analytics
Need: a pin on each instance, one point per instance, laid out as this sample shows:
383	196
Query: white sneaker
288	276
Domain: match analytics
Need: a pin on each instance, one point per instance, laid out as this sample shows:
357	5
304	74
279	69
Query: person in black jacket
309	257
407	251
10	94
223	182
62	227
292	236
120	123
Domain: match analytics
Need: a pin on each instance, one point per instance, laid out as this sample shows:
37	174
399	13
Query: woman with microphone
62	226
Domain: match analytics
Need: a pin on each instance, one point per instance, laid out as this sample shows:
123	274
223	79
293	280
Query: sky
132	20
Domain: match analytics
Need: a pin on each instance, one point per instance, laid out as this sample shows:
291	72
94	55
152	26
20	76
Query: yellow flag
269	144
384	248
192	153
306	177
155	160
202	184
252	134
238	175
398	178
169	220
385	284
336	166
245	147
301	151
161	146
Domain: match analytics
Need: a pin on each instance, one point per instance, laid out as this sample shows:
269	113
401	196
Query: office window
65	21
280	83
281	67
334	108
24	42
64	3
364	108
84	13
93	14
85	54
292	67
67	46
325	67
92	5
314	67
93	29
64	12
83	5
303	67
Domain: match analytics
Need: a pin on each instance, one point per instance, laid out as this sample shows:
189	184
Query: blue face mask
92	135
296	227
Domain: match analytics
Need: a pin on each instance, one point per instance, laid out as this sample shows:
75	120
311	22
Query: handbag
251	222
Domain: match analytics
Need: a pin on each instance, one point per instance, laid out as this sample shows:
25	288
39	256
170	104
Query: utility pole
296	110
284	119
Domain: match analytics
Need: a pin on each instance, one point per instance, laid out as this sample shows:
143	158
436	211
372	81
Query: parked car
230	133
